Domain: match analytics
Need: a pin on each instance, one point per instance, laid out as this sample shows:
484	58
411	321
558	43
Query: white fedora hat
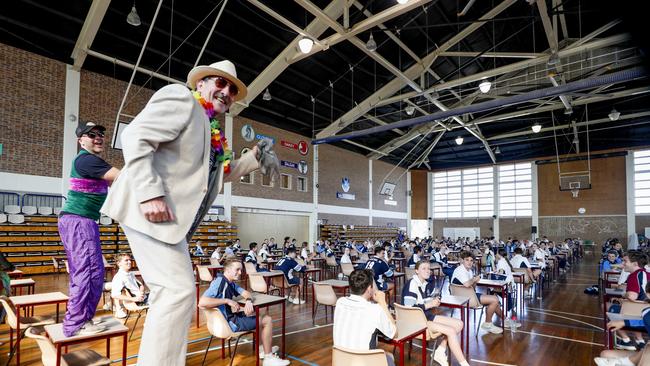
224	69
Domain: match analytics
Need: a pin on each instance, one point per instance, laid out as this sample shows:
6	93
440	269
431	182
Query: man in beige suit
171	176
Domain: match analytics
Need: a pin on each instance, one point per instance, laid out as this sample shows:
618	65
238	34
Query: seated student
464	276
382	271
440	257
519	261
634	263
221	293
419	292
388	251
229	252
288	265
504	268
272	244
251	257
304	252
216	256
361	248
357	320
236	246
124	280
611	263
198	250
265	252
345	258
415	258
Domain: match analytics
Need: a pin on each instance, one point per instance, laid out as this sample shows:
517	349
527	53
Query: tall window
642	182
463	193
515	190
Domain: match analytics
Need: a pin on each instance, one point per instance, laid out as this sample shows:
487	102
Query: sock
639	341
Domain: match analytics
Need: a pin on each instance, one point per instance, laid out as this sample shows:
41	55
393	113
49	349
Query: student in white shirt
419	292
124	280
463	276
519	261
356	318
504	267
264	252
345	258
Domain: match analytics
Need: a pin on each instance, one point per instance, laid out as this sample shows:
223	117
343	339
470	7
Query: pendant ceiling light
410	110
267	95
459	140
485	86
371	45
614	114
497	150
536	127
305	45
133	18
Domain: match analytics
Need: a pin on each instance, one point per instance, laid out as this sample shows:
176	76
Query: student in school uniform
382	271
357	319
504	268
419	292
612	262
125	287
464	276
415	258
251	257
290	266
519	261
304	252
440	257
345	258
265	253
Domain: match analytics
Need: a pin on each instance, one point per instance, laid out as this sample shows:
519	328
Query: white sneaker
601	361
274	349
120	314
290	299
440	356
107	307
89	329
509	322
273	360
491	328
297	301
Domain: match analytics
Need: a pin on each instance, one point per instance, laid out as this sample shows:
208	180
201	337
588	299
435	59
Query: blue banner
259	136
289	164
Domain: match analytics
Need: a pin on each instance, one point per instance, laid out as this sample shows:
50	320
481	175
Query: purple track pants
80	236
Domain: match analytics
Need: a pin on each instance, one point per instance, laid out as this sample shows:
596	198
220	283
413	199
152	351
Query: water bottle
513	321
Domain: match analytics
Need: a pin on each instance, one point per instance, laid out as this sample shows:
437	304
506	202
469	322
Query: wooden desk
16	273
503	286
27	301
114	328
462	303
264	301
399	263
609	294
399	277
23	283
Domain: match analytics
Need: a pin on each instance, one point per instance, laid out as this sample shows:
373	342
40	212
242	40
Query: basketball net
574	193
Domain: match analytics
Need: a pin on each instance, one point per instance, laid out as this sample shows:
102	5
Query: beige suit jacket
166	153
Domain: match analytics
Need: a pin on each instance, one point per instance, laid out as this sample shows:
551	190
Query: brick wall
334	164
519	228
32	94
398	176
334	219
257	189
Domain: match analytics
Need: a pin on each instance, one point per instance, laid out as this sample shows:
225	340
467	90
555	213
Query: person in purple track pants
90	177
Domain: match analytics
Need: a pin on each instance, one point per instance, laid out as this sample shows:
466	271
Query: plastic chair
406	317
25	323
57	210
258	284
281	283
324	295
84	357
331	264
474	304
204	274
29	210
44	210
219	327
347	357
347	269
133	307
250	267
12	209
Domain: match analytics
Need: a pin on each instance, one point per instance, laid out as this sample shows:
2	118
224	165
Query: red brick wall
31	113
334	164
519	228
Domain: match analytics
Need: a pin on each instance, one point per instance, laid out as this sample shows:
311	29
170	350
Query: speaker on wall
533	229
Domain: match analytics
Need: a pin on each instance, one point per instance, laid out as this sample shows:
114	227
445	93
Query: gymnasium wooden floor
563	328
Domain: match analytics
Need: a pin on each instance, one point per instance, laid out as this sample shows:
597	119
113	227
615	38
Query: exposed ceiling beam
281	62
362	26
424	156
372	118
89	31
558	6
412	72
363	147
551	34
285	21
491	54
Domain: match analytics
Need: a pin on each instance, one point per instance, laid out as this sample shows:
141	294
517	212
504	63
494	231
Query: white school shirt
622	278
461	274
355	322
503	265
303	253
345	258
539	256
517	260
215	255
264	254
123	279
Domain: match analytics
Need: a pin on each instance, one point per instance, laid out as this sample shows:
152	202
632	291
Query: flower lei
217	139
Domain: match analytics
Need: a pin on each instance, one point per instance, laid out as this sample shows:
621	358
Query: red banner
288	144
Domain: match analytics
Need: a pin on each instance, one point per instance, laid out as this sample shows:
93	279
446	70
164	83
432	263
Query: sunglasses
94	135
222	83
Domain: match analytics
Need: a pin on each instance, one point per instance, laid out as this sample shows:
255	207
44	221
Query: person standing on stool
90	177
176	159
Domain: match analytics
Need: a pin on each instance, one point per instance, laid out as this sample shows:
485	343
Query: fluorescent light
267	95
410	110
305	45
459	140
371	45
485	86
614	114
537	127
133	18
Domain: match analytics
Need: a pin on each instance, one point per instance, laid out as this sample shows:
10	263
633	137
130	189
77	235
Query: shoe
640	345
628	346
290	299
491	328
601	361
97	321
273	360
120	314
297	301
274	349
440	356
89	329
107	307
509	323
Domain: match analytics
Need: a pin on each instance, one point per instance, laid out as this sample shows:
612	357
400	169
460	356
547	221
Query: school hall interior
436	182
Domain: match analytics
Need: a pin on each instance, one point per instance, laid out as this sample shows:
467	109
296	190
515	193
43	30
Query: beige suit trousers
167	271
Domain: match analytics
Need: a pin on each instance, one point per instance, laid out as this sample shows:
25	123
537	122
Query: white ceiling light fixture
267	95
614	115
402	1
497	150
536	127
305	45
133	18
485	86
459	140
371	45
575	140
410	110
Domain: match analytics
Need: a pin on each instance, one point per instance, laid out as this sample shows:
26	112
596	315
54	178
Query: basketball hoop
574	192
